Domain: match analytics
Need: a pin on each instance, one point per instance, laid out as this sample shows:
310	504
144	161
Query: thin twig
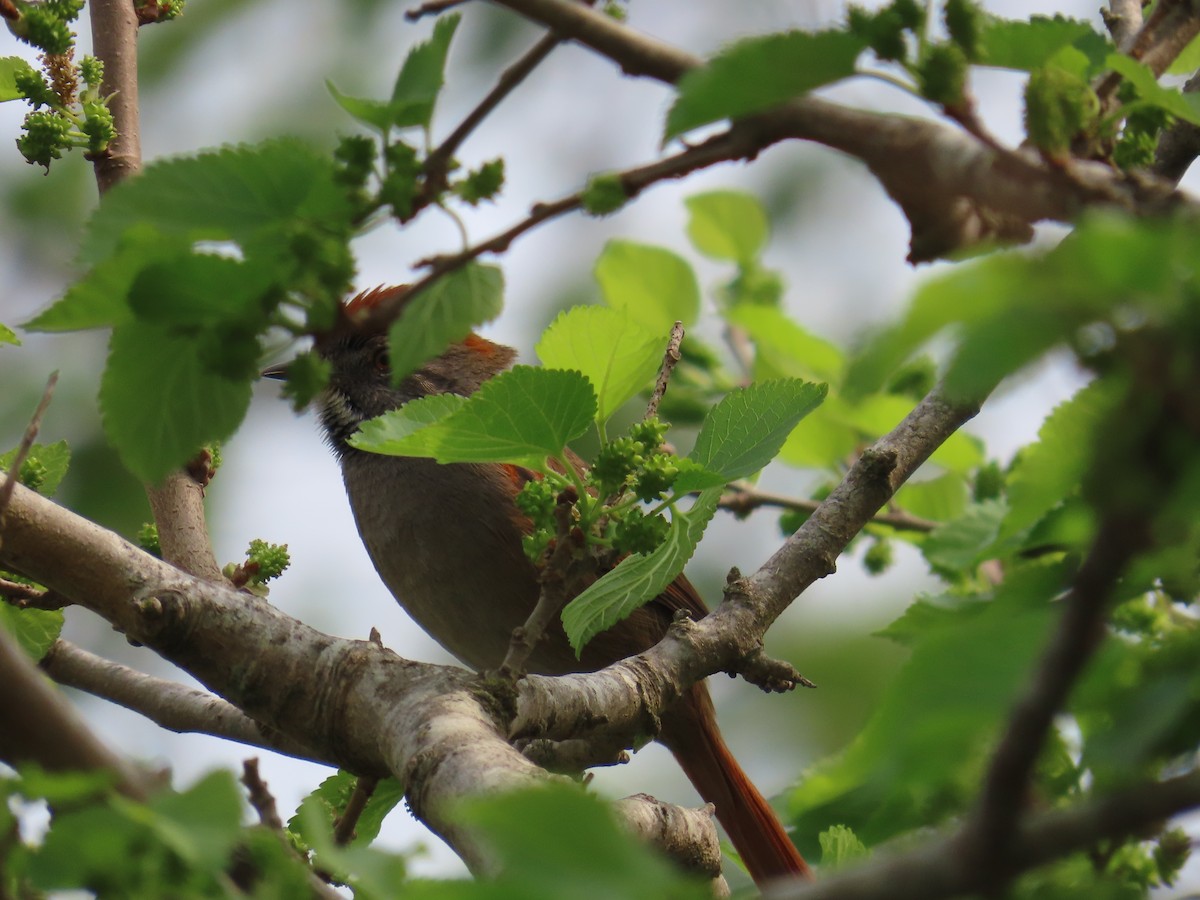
175	707
264	804
438	161
343	828
670	360
27	439
556	583
743	498
260	795
737	142
24	596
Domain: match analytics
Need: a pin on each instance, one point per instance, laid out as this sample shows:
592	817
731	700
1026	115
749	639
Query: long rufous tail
690	732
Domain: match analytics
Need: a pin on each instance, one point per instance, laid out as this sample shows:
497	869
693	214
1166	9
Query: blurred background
241	70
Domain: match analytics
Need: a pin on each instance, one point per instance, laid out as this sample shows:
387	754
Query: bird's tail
690	732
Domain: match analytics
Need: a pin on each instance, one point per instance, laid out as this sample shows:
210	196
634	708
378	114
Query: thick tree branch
956	190
38	725
354	703
634	52
1123	18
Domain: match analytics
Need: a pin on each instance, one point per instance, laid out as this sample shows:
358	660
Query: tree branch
177	503
27	439
742	498
353	703
943	868
670	361
38	725
510	79
736	143
1123	19
167	704
1080	631
956	190
114	43
632	693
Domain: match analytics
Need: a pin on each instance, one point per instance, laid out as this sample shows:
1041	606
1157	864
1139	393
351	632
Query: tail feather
690	732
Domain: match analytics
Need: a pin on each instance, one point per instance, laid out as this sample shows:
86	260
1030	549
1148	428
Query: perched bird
446	540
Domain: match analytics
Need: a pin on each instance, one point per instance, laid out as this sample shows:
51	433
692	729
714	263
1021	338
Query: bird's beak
278	371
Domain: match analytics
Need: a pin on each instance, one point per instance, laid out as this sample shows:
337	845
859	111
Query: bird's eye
382	363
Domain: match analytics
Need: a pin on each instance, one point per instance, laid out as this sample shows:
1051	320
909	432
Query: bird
446	540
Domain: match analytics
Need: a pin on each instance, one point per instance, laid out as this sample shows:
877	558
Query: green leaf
201	824
595	855
824	440
161	401
941	499
840	846
962	543
784	346
8	336
521	416
376	114
416	89
372	874
200	290
244	194
334	793
991	283
1035	302
919	760
85	847
727	225
743	432
827	437
386	431
653	285
1180	105
613	352
51	461
1027	45
100	298
63	789
761	72
422	75
9	67
928	614
443	313
35	630
1188	61
1049	471
639	577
